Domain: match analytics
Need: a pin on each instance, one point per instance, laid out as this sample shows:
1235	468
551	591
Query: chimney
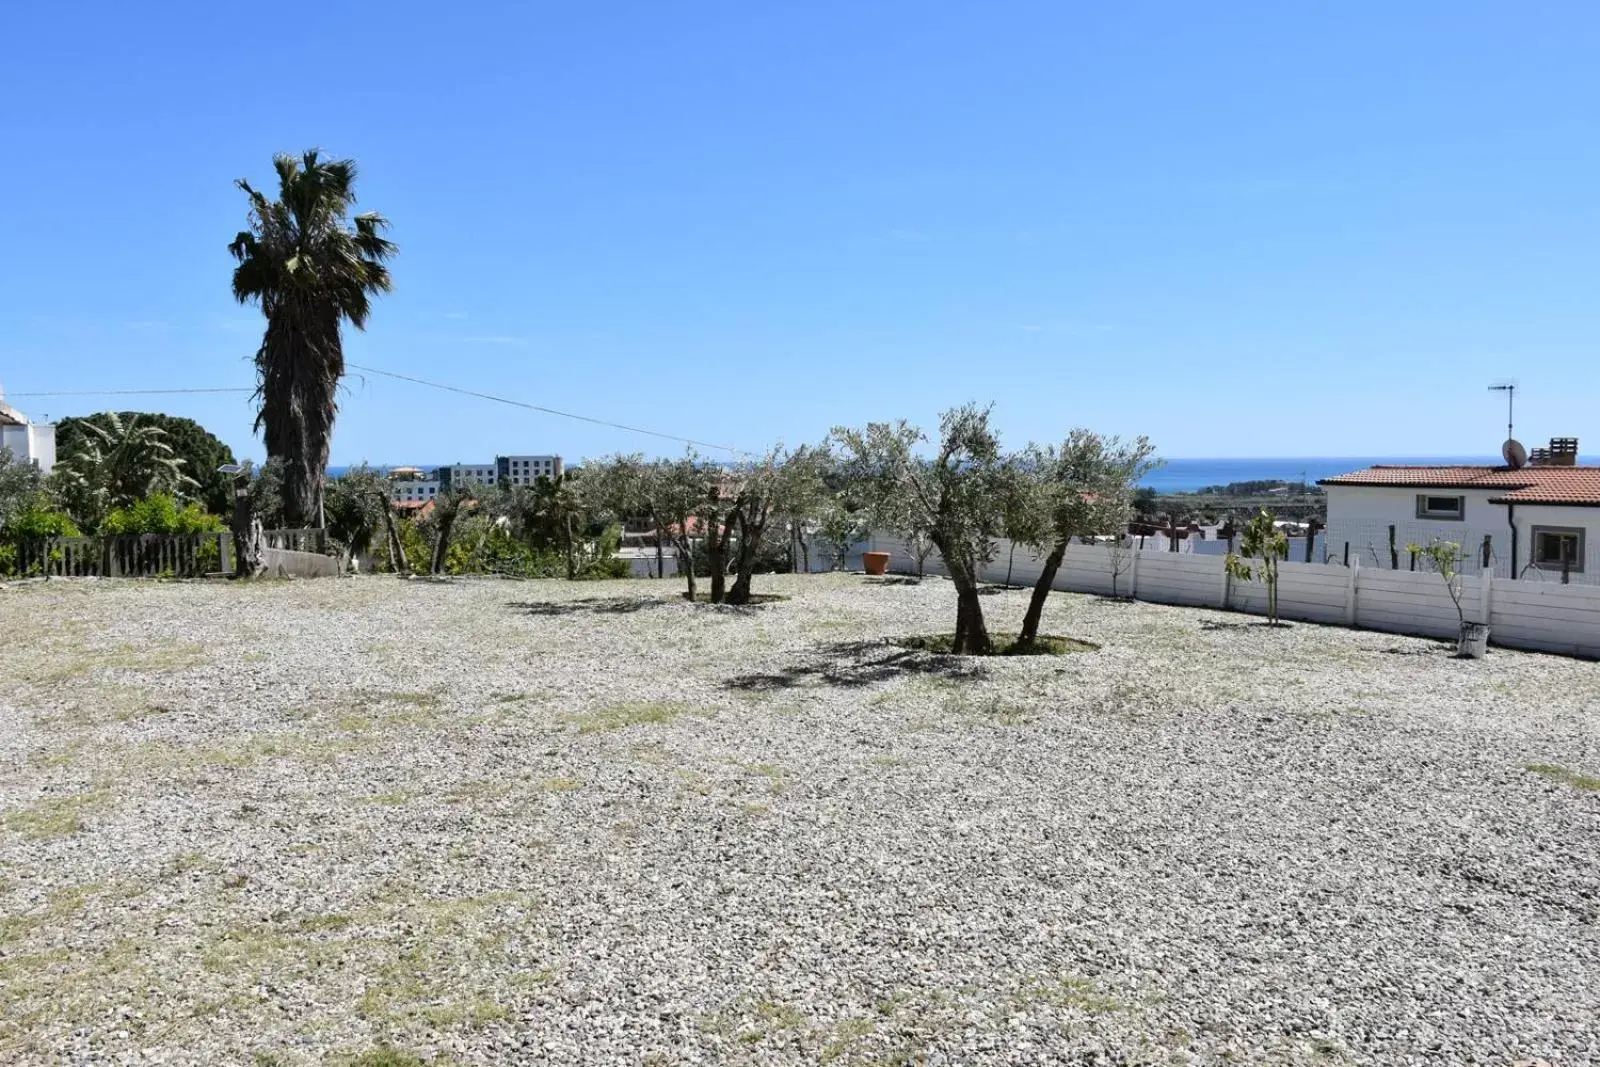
1561	452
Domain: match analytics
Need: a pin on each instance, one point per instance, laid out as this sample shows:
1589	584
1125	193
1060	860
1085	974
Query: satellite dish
1514	454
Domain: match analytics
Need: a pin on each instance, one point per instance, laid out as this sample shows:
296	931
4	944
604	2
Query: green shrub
40	520
160	514
36	520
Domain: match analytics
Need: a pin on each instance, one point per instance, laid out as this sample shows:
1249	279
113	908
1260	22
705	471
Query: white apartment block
462	473
413	490
525	470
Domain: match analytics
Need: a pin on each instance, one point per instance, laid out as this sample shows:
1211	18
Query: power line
415	381
544	410
132	392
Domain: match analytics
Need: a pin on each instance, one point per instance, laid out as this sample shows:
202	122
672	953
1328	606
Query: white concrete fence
1521	614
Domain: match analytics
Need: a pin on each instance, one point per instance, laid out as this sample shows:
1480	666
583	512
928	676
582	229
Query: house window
1559	547
1440	507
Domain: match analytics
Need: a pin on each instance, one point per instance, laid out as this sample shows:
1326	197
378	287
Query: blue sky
1244	230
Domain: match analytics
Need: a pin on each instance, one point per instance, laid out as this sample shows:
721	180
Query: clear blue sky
1269	229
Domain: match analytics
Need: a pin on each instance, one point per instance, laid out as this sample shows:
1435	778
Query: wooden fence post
1133	572
1350	606
1394	556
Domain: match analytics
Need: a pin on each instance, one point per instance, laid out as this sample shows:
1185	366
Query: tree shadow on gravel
895	579
589	606
856	664
1254	624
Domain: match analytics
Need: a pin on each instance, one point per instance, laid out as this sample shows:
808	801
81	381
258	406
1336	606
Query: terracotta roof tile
1526	485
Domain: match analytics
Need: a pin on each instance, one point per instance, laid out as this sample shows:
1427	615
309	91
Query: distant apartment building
31	442
411	485
525	470
413	490
462	473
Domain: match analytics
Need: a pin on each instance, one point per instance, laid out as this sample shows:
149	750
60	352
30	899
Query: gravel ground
365	820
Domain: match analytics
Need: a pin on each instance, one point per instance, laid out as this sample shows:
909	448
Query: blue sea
1188	475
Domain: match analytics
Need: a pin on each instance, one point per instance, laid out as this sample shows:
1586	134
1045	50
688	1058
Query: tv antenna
1512	451
1510	389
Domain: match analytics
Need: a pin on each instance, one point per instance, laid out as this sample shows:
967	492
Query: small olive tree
1445	559
956	499
1082	487
1119	553
1265	543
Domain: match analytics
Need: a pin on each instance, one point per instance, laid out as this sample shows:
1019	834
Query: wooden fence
126	556
149	555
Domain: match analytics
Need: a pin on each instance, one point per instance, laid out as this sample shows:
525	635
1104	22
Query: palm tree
115	464
310	271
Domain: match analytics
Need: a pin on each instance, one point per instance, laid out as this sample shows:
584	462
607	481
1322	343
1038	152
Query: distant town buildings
31	442
414	487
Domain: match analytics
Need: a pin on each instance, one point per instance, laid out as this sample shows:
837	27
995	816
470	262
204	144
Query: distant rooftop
1525	485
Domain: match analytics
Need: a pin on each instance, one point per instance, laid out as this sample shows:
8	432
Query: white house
31	442
1540	521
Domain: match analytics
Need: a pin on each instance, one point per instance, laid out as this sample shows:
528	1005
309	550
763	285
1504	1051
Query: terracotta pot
875	562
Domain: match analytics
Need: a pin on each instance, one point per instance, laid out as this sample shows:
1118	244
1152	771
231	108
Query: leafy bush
39	519
411	540
34	520
160	514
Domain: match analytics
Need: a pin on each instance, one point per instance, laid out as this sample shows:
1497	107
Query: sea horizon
1188	474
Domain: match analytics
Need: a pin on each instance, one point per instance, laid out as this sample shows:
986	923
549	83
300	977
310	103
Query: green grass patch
622	716
385	1056
1565	776
56	816
1043	645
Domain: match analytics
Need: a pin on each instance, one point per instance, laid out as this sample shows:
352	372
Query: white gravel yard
381	822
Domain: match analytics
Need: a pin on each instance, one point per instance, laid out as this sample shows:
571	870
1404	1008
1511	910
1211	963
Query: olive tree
783	486
956	499
1082	487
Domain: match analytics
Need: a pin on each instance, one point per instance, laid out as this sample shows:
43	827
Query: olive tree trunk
685	562
717	534
1041	593
972	636
750	535
441	544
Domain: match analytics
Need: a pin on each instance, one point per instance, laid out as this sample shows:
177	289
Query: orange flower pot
875	562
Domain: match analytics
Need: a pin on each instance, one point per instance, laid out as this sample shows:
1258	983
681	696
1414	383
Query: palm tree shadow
857	664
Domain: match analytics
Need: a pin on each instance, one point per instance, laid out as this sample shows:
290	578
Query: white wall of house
1361	516
33	442
1531	519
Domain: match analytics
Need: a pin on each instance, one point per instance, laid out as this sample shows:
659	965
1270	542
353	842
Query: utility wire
414	381
545	410
133	392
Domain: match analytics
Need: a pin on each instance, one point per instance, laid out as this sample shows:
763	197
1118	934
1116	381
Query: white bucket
1474	643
